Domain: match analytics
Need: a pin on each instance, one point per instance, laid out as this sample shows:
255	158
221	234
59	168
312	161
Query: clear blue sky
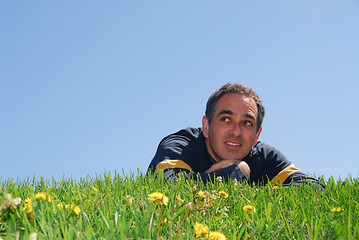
88	87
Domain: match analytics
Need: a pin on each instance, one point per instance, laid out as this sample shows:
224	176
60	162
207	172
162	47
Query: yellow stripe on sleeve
284	174
168	163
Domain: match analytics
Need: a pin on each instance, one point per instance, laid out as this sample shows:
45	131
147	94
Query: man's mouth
233	143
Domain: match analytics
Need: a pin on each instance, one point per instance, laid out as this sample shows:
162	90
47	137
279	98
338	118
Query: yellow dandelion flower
180	201
223	194
77	210
158	198
215	235
70	207
249	209
44	196
200	229
129	199
336	209
28	207
203	194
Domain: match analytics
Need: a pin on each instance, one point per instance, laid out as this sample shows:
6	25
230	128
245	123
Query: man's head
239	89
232	123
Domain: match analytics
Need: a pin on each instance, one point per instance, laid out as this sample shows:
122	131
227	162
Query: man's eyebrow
229	112
250	116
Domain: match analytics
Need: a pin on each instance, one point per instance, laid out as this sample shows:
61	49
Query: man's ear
257	136
205	126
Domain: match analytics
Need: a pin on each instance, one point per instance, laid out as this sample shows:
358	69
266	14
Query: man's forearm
230	172
299	179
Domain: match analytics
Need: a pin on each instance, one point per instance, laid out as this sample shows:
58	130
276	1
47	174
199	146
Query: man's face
232	132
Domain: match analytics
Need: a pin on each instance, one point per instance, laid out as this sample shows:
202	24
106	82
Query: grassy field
139	207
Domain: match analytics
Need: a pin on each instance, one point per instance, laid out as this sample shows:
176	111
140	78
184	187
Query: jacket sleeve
230	172
183	152
276	168
299	178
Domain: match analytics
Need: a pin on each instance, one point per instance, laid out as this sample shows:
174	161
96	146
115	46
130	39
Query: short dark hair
238	89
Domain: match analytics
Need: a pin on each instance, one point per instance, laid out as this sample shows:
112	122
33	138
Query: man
227	144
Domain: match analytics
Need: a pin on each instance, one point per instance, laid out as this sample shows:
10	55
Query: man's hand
226	163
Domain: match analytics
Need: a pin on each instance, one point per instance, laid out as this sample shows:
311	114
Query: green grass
106	213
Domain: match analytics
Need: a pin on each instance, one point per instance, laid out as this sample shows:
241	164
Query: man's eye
225	119
247	123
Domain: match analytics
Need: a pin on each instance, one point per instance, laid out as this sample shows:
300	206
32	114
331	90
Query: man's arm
226	169
226	163
268	163
232	171
299	178
185	152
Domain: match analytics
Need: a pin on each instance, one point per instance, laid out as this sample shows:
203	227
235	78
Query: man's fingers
245	168
220	165
211	169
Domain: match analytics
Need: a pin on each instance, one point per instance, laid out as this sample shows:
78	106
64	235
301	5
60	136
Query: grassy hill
139	207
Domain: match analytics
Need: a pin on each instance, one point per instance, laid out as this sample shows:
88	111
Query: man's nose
236	130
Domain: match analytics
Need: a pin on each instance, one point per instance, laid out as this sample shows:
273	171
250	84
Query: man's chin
237	158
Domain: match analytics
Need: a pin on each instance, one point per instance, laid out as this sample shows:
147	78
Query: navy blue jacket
186	151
